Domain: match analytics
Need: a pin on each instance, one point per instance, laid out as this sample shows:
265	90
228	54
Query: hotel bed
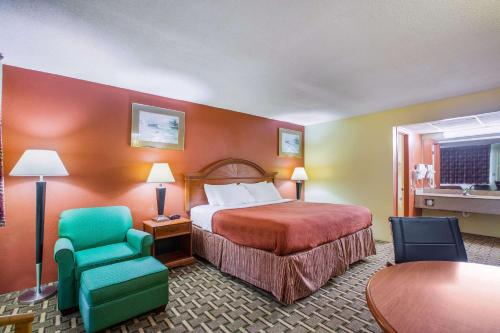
286	247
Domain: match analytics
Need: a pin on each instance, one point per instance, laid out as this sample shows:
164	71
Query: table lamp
160	173
39	163
299	175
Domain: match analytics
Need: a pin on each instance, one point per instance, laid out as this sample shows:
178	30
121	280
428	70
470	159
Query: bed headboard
231	170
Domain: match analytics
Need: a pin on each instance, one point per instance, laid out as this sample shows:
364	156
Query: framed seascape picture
157	127
290	143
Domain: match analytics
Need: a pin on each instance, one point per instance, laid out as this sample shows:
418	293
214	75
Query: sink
456	201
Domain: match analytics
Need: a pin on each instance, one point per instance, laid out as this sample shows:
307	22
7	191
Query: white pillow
263	191
231	195
212	199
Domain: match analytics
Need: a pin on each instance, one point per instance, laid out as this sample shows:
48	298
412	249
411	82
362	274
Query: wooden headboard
231	170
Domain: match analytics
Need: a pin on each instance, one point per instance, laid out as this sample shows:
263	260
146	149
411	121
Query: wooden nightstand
172	243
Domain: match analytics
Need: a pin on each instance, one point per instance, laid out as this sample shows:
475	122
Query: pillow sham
263	191
231	195
209	192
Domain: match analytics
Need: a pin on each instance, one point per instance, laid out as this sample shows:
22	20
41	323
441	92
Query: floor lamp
299	175
39	163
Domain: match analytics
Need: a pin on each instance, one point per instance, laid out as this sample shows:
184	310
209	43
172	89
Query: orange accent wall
89	126
415	157
428	143
437	165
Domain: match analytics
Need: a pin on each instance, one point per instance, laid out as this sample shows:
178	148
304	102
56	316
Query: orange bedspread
290	227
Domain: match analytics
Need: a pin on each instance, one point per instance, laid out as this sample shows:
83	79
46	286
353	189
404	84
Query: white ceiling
301	61
485	121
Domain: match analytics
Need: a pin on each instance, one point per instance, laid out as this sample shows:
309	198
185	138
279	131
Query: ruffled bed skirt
289	277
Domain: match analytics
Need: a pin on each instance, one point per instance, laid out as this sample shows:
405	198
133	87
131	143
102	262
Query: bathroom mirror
472	163
456	153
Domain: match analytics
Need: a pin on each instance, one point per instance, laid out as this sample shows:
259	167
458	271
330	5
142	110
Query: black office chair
427	238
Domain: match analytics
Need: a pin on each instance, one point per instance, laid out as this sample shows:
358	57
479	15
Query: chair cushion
103	255
107	283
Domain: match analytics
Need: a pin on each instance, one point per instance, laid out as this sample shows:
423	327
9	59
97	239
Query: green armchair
90	238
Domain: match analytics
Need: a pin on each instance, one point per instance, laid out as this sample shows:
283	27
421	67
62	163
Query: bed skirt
289	277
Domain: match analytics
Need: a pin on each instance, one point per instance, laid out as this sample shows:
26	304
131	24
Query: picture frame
156	127
290	143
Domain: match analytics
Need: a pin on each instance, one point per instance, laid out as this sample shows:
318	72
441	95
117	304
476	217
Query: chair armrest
64	255
141	241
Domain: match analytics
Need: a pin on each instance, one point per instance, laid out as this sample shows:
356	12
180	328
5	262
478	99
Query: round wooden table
436	296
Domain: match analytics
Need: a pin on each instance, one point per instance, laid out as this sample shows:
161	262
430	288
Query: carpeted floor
205	300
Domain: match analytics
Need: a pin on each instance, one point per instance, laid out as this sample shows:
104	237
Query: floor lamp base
32	296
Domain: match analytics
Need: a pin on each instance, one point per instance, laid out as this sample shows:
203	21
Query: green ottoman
114	293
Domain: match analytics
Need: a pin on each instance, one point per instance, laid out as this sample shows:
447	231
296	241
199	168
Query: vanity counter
454	200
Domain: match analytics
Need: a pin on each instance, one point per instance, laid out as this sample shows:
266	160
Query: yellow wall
481	224
350	160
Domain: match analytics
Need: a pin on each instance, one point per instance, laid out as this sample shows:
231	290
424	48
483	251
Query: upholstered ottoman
114	293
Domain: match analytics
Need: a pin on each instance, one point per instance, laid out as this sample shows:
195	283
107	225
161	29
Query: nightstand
172	243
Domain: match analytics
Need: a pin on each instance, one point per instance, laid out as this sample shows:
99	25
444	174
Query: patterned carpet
205	300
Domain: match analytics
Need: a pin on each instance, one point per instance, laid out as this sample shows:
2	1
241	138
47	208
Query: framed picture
290	143
157	127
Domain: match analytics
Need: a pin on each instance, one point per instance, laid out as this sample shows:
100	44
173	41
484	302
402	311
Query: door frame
406	171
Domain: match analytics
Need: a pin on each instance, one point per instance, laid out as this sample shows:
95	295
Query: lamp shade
160	173
299	174
38	162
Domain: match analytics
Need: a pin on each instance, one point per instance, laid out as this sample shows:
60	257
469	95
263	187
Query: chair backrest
427	238
92	227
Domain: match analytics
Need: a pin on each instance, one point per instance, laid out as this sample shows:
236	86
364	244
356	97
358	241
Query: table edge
381	321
